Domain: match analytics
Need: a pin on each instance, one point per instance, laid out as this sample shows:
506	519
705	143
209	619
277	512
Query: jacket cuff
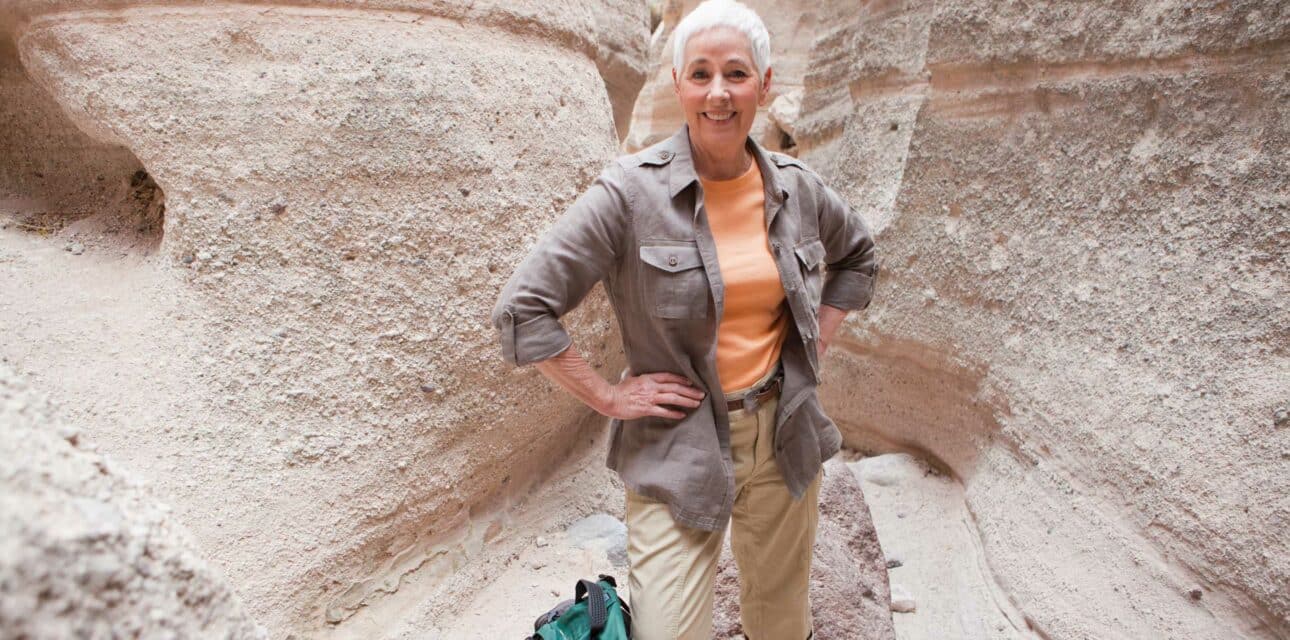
533	340
849	290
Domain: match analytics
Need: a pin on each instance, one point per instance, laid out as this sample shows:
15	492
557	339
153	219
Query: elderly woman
713	252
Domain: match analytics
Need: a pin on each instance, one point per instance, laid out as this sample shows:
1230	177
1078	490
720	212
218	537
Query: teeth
724	116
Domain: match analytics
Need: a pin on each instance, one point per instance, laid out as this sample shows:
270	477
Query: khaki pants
673	568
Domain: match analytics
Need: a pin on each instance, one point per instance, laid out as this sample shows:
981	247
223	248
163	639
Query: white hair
723	13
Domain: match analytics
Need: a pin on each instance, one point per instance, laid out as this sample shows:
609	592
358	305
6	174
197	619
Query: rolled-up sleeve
568	260
849	253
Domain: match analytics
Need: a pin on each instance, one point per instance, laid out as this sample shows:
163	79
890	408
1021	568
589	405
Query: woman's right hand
646	395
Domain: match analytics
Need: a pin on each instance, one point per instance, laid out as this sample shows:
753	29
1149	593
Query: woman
713	252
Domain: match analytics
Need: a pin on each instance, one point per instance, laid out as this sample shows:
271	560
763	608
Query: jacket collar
682	173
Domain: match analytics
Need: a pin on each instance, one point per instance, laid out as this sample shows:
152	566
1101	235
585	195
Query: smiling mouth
718	116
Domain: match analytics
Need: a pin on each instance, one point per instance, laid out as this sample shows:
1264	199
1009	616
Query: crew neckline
733	184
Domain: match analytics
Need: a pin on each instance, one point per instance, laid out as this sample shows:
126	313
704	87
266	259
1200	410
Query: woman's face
719	89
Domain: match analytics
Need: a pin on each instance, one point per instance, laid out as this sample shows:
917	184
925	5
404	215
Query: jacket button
671	261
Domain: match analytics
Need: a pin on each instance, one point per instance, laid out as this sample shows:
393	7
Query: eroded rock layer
85	550
1082	311
347	185
51	173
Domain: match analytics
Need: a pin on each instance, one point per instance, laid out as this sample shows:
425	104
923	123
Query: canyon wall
346	187
85	550
1082	308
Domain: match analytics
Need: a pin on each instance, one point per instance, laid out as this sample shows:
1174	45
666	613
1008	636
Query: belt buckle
751	400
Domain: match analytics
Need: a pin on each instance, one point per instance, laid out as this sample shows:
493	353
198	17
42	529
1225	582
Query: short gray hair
723	13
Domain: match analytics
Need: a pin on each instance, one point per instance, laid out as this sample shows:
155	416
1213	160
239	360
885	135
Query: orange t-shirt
755	320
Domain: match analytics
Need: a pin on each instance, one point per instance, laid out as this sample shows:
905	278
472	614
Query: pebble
1281	417
75	247
541	542
901	600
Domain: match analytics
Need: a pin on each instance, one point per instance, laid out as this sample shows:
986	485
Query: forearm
574	374
830	319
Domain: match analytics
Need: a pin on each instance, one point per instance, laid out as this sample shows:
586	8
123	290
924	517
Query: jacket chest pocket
674	282
810	258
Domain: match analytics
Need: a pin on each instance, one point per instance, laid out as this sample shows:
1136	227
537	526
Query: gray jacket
641	228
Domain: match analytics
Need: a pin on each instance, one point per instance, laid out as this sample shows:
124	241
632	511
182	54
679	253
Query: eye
738	74
699	74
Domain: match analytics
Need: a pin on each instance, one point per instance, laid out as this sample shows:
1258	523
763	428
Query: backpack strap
597	612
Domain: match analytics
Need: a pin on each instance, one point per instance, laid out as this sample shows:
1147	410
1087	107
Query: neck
721	164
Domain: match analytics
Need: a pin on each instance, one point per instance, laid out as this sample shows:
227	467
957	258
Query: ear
765	89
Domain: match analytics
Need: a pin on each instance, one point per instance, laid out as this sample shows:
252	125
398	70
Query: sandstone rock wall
347	186
1082	310
51	173
85	550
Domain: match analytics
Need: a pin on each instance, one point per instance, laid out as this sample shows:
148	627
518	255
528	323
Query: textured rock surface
1083	307
934	556
85	550
347	185
850	597
51	173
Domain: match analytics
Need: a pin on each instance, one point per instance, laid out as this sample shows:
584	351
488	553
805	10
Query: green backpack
594	613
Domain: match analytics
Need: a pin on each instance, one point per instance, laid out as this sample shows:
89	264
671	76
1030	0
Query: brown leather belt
756	398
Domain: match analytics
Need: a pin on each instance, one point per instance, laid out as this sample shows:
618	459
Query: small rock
204	255
602	531
1196	593
76	248
555	593
278	208
894	563
901	600
1281	417
541	542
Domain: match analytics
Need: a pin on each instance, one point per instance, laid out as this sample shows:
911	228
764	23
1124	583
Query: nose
717	91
